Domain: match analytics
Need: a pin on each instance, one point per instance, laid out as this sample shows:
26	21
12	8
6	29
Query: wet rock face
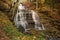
5	5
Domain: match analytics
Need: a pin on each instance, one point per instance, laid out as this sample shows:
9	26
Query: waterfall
21	18
36	19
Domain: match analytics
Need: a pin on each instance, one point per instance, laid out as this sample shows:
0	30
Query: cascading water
36	19
21	19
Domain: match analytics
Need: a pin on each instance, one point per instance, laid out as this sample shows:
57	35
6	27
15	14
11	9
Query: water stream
20	18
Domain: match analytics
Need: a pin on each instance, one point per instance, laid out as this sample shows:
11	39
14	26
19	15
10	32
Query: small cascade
36	19
20	19
24	17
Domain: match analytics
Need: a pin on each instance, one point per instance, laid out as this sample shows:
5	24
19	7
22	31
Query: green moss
11	30
13	33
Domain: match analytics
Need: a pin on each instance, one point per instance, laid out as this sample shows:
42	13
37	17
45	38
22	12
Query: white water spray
36	19
20	19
